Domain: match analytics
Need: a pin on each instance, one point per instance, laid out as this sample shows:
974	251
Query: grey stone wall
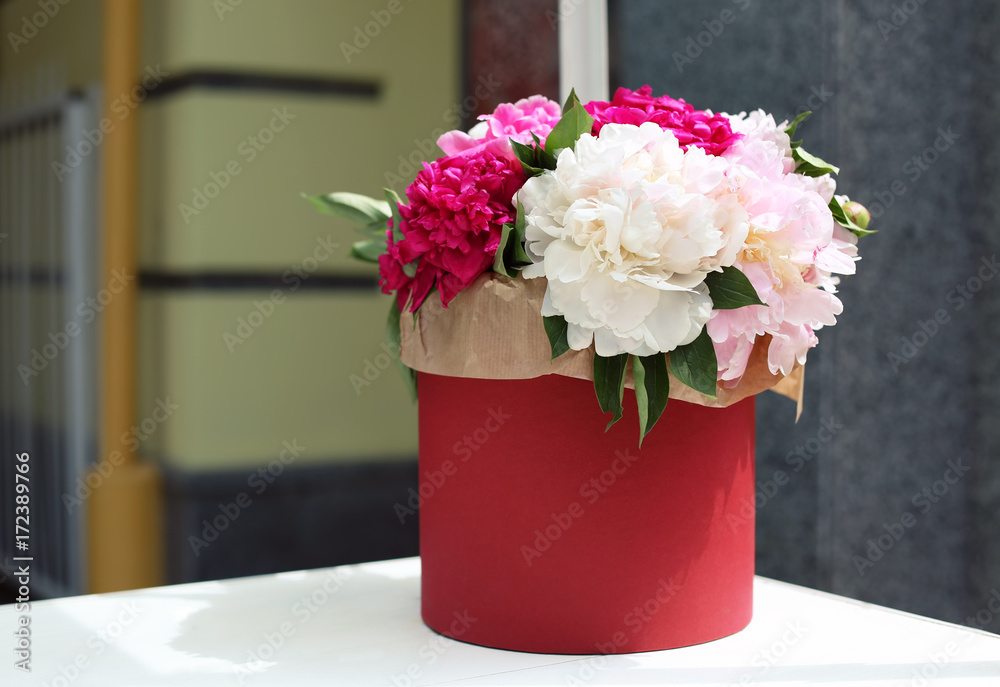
906	96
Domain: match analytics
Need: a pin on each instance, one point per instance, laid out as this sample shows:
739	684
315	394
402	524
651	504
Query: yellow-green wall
291	379
65	46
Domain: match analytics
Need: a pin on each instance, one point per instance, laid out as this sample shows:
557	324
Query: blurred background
195	365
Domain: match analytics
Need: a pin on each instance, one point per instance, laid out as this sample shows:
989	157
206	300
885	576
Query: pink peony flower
451	227
790	255
535	115
700	128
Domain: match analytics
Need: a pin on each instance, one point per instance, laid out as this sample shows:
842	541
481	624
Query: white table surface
360	625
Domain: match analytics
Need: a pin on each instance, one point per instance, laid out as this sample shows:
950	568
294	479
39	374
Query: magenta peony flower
452	225
700	128
535	115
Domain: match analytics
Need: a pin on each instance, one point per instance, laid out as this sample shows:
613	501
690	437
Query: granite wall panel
905	100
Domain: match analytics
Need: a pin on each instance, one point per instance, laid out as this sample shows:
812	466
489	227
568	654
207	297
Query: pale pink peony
509	121
793	249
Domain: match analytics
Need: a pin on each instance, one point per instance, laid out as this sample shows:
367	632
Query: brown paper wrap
492	330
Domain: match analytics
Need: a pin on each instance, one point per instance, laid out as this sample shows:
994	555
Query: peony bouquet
647	227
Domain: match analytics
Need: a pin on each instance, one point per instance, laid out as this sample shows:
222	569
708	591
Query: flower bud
857	213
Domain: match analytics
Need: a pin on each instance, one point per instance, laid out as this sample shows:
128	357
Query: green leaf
392	199
393	338
575	122
368	251
571	100
528	159
499	259
375	230
730	289
524	153
556	329
812	166
352	206
843	220
794	124
519	253
695	364
609	383
510	256
545	159
652	389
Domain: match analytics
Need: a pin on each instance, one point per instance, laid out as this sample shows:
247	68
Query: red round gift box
540	532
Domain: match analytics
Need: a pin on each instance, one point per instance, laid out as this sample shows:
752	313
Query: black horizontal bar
36	276
252	281
250	81
42	114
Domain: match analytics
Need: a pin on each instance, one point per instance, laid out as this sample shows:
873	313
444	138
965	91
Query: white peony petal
622	306
673	284
607	343
564	261
678	318
579	337
567	300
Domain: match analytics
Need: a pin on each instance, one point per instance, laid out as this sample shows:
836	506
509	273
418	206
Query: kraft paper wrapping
493	330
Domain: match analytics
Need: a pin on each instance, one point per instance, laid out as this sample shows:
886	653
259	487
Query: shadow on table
258	626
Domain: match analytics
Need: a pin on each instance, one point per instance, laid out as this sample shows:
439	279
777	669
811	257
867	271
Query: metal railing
48	336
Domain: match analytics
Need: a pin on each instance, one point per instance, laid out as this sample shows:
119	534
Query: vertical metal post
79	215
583	51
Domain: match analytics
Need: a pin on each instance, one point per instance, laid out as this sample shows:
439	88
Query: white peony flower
625	229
